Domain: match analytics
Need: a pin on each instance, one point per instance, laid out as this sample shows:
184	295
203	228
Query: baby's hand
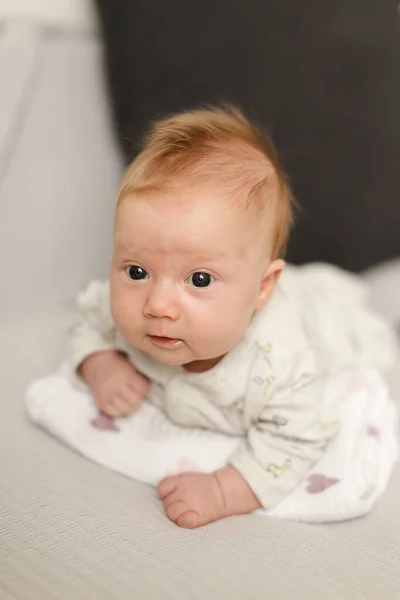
195	499
192	499
117	387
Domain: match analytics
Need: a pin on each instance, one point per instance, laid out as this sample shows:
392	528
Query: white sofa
68	528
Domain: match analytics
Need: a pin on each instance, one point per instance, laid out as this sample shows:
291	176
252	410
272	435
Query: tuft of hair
218	145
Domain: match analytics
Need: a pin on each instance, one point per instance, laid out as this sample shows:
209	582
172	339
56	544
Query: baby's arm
290	434
283	443
117	387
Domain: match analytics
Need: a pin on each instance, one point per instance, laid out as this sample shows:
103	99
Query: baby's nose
163	302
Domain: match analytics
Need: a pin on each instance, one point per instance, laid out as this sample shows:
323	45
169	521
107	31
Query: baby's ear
269	282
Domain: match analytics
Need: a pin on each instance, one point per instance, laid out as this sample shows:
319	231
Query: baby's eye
200	280
134	272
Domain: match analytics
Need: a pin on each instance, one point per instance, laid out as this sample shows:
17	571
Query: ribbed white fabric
344	484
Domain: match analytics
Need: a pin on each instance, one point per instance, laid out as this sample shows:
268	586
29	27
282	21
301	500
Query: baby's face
186	276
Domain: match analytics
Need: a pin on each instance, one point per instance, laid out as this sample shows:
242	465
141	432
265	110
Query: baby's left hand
192	499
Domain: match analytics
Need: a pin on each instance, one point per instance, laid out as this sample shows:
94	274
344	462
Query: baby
193	317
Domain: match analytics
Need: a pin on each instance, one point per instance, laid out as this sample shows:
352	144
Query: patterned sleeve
93	330
288	431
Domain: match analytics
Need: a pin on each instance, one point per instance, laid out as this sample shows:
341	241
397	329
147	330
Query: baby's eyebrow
122	246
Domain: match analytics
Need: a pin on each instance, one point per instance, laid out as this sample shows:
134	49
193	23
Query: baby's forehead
196	221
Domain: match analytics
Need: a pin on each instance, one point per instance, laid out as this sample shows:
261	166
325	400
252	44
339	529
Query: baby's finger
142	385
166	486
123	405
177	510
120	406
110	410
130	395
138	386
171	498
191	519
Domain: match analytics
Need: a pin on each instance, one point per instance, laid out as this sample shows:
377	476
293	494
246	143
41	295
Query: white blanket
344	484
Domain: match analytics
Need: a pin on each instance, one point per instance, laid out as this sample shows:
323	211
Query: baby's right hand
117	387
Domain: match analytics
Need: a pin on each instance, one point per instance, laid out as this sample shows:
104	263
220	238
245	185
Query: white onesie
268	388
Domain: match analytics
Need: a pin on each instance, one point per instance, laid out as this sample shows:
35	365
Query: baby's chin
192	365
168	358
199	366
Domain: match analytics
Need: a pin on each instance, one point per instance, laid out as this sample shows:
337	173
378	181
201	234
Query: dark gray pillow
323	76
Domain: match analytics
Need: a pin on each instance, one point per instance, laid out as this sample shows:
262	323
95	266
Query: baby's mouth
165	342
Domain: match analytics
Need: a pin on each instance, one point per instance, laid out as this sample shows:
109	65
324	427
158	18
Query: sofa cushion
322	76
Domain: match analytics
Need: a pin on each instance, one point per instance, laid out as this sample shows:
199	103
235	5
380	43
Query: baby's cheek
221	331
125	315
232	323
116	306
